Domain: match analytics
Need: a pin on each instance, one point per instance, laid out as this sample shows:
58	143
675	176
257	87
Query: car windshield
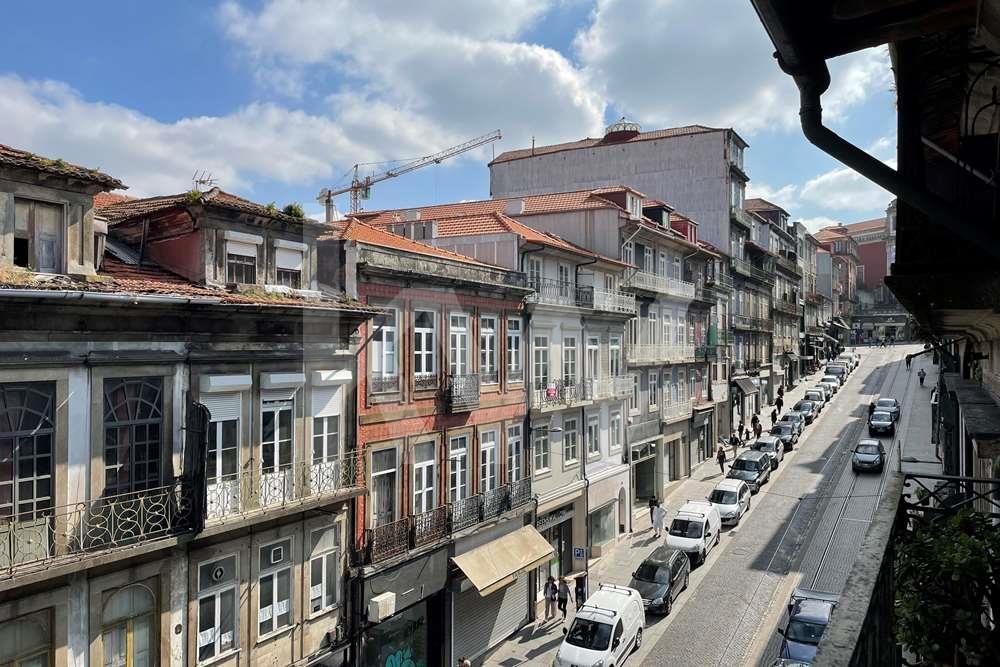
685	528
804	632
722	497
744	464
764	446
886	403
881	417
866	449
781	429
589	634
811	395
790	417
830	378
804	406
653	572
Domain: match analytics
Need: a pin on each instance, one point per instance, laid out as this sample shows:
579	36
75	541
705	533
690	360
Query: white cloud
819	222
674	62
786	196
844	189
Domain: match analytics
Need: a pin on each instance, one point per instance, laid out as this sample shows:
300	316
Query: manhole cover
739	551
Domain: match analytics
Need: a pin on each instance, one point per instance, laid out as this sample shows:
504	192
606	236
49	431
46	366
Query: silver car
869	455
772	446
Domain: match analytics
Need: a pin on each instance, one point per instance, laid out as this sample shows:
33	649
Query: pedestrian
779	403
774	417
871	408
550	593
753	422
781	391
720	456
658	517
734	441
581	591
654	502
908	362
921	374
757	430
564	596
464	662
746	437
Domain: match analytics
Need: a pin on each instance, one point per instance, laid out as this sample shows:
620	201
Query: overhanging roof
745	385
497	563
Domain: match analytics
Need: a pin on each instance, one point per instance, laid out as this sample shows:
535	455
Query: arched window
133	434
27	415
27	641
129	629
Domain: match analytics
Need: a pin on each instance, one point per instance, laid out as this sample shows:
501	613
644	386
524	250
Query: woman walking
564	595
551	591
658	516
720	456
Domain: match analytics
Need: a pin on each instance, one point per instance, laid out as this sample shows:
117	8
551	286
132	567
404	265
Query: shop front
608	516
649	461
701	437
403	639
745	397
556	528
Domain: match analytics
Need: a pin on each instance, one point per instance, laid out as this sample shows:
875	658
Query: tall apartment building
815	305
177	425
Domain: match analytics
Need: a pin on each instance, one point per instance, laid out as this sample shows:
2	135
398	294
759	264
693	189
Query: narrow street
803	529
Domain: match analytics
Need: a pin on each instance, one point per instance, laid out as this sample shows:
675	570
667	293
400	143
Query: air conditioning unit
381	607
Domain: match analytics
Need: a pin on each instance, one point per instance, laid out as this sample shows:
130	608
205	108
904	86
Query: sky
277	99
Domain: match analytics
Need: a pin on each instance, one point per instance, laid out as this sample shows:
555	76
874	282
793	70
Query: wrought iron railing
40	539
425	382
740	266
652	282
430	527
463	392
515	375
262	489
520	492
388	540
677	411
737	214
560	293
466	512
614	301
383	384
489	377
788	264
660	353
605	388
495	502
786	307
558	393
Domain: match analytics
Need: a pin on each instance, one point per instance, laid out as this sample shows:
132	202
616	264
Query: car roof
817	611
881	412
730	484
894	401
869	441
661	555
767	438
751	454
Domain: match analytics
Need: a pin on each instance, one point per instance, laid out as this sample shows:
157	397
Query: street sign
579	553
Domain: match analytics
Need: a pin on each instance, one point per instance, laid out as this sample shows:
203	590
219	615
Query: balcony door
276	447
222	463
458	345
383	490
133	429
488	461
129	628
423	478
515	455
327	472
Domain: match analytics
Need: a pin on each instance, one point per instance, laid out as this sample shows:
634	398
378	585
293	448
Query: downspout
812	82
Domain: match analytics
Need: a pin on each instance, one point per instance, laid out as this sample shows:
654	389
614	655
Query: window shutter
238	248
286	394
326	401
288	259
223	407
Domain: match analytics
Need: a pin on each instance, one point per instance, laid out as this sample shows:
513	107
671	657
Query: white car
832	380
848	360
731	497
773	447
695	530
817	396
607	628
826	389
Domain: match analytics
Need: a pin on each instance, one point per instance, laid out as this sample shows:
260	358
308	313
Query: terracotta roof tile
865	226
589	142
102	199
758	204
16	157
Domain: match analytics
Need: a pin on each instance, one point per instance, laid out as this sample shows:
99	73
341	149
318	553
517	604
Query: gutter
99	297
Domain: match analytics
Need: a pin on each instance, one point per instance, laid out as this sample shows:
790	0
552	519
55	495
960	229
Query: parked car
785	432
826	389
833	380
890	405
839	370
881	423
607	628
848	359
808	615
817	396
752	467
695	529
661	578
795	418
869	455
807	409
772	446
731	497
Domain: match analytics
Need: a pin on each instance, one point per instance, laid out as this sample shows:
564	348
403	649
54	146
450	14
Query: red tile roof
865	226
102	199
215	198
16	157
830	233
355	230
589	142
758	204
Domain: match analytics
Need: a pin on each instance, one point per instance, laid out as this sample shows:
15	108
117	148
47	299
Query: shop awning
745	385
497	563
837	322
794	356
831	338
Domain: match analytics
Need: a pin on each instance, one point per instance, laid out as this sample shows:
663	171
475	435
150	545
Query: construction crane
360	187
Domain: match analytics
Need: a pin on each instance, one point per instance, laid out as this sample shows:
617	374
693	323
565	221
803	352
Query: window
593	434
27	426
488	349
423	477
633	399
648	262
565	280
541	447
628	253
288	263
38	235
534	273
274	588
327	405
633	332
678	274
571	446
514	361
615	356
133	421
541	362
222	462
276	446
383	349
458	345
383	487
324	569
569	361
652	328
515	455
459	468
665	328
218	612
128	634
288	278
663	265
487	461
615	431
593	368
424	343
610	282
241	263
654	390
27	641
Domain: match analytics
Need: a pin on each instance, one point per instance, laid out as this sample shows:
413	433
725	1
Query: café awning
497	563
745	385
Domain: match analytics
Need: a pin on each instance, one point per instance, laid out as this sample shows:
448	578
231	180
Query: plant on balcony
947	583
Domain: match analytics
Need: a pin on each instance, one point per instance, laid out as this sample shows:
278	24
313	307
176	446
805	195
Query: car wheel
686	578
701	557
668	606
638	640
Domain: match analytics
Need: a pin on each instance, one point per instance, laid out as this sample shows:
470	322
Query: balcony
462	393
709	352
651	282
745	268
741	217
515	375
747	323
613	302
383	384
45	538
558	293
814	297
399	537
608	388
677	411
257	490
658	353
425	382
788	264
558	395
786	307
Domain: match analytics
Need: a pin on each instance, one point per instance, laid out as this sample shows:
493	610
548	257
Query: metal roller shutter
326	401
480	623
223	407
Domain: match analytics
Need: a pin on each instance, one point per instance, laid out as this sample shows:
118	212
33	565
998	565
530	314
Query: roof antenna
532	145
202	179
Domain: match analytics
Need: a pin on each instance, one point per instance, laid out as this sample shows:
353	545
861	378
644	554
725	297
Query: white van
607	628
695	530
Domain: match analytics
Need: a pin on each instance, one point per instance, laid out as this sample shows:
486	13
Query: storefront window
399	641
601	524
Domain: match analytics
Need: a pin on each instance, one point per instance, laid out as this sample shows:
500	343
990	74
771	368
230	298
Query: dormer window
241	257
288	257
635	206
38	235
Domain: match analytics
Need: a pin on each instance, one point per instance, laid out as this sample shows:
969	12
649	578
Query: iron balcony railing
425	381
652	353
738	215
677	411
383	384
515	375
748	323
43	538
613	302
395	538
463	392
740	266
559	293
651	282
786	307
558	394
489	377
720	391
702	352
788	264
261	489
605	388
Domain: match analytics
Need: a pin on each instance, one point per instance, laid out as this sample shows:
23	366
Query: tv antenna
202	179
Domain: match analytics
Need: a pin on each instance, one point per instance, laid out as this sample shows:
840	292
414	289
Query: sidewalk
537	642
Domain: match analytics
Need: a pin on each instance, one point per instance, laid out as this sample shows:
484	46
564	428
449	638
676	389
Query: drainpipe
813	81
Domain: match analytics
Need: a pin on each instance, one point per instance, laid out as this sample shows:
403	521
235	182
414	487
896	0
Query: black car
881	423
807	409
869	455
890	405
661	578
752	467
785	431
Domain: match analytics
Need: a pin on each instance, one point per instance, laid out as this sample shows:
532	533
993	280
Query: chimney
514	207
411	215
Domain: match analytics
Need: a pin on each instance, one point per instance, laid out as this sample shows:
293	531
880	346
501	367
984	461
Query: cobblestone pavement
803	527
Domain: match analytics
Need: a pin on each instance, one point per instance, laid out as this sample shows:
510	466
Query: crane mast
360	187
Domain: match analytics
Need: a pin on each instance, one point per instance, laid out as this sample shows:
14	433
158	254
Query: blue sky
278	98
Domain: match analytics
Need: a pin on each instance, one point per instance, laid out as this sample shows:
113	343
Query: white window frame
593	435
385	353
273	572
216	592
593	358
633	399
421	334
542	447
648	260
488	448
570	442
394	471
653	385
515	454
458	468
615	431
324	557
570	374
427	495
488	353
540	362
628	253
514	344
652	327
614	356
565	280
536	270
458	355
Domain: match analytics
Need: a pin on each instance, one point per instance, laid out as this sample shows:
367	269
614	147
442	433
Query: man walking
658	517
921	374
908	362
564	596
654	502
734	441
774	417
720	456
757	430
779	403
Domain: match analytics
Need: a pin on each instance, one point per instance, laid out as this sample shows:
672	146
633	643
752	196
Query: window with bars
133	428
